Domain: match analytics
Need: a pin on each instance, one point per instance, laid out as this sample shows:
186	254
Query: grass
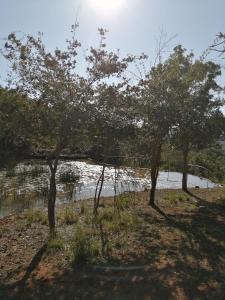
4	232
36	216
54	245
221	201
123	202
83	208
183	255
67	216
174	197
83	247
10	172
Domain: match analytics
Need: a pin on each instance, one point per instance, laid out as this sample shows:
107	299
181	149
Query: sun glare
107	5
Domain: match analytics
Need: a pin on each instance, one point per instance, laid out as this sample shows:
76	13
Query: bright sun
107	5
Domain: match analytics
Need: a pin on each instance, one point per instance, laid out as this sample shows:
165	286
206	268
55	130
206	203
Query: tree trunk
185	171
97	197
154	174
52	199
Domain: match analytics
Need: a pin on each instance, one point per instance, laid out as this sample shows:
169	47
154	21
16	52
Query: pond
26	185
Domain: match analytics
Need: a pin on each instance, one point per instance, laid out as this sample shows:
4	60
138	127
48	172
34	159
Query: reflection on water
27	184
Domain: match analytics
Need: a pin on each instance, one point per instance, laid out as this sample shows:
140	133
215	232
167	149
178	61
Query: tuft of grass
10	172
55	244
221	201
4	232
68	216
84	247
115	221
106	215
36	216
123	202
176	197
83	208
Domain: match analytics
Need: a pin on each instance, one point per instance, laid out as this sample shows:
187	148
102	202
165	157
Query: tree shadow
200	200
196	260
185	259
21	285
161	212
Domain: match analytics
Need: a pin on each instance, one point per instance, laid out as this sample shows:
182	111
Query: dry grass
174	252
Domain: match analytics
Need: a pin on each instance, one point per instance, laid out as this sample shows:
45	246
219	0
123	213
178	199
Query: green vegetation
10	172
83	246
69	177
221	201
176	197
67	216
55	245
36	216
118	111
213	162
174	105
131	242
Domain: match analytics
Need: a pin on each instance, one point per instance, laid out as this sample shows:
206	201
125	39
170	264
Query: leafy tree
61	97
219	44
156	107
211	161
14	135
110	125
199	119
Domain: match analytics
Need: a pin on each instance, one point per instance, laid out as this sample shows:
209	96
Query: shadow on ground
185	259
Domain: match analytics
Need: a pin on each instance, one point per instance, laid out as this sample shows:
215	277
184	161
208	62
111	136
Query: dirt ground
176	252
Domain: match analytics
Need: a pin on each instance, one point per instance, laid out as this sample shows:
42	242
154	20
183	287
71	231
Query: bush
83	246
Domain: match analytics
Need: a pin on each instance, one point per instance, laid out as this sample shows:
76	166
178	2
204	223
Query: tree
14	132
156	107
60	96
219	44
110	124
199	118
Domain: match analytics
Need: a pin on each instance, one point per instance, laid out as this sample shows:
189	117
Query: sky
134	25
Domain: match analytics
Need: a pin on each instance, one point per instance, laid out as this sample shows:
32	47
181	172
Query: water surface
27	184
